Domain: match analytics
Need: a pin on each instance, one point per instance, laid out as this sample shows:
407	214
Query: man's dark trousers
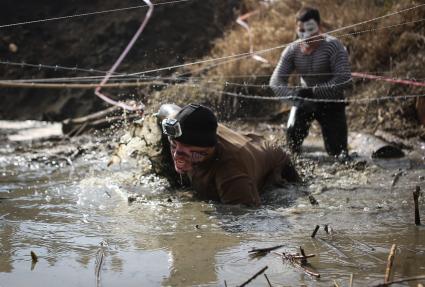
332	119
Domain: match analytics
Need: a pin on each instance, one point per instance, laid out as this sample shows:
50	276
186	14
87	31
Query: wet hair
307	13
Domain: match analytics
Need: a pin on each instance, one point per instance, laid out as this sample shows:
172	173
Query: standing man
322	63
222	164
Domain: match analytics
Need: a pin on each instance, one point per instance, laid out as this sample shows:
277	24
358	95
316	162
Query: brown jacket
240	169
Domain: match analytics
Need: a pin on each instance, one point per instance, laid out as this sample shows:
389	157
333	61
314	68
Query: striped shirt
326	70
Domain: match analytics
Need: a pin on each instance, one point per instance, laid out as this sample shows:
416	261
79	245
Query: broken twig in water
34	257
291	259
351	280
390	264
268	281
315	231
415	278
396	178
297	256
313	200
265	250
34	260
304	257
326	228
254	276
416	194
100	258
336	283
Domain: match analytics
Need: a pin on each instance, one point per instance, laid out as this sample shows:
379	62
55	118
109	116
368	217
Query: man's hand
305	93
300	95
304	97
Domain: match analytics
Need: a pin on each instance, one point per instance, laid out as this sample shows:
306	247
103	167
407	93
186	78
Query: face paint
307	29
198	156
185	157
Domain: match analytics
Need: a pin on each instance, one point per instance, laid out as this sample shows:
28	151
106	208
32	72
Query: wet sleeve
289	172
341	69
279	79
237	189
284	170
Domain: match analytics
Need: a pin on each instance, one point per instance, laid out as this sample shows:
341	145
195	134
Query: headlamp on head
171	127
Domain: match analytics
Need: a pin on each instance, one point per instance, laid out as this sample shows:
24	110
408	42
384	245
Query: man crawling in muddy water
223	165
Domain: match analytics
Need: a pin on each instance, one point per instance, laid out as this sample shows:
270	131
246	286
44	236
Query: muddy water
62	202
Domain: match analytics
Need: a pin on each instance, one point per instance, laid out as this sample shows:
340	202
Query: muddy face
185	156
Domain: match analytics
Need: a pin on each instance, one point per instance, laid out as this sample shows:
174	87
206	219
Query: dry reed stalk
315	231
254	276
416	194
415	278
390	264
268	281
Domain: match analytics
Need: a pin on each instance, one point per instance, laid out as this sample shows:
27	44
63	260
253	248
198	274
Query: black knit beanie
199	126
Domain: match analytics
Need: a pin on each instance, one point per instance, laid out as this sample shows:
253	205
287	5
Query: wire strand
88	14
259	52
131	76
124	77
240	56
232	94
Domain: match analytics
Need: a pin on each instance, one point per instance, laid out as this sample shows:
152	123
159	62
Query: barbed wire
88	14
140	78
162	81
52	67
243	56
236	95
17	84
10	84
295	98
134	75
123	77
259	52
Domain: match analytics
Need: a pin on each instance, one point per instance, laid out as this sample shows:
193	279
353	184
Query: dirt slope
176	33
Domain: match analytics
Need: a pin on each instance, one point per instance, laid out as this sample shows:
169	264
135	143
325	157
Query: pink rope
241	21
390	80
118	62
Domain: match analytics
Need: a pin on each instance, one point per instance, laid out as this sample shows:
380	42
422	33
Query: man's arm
238	190
341	80
279	79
